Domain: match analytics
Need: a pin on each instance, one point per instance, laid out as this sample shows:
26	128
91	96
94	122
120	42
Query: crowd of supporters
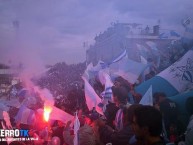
124	122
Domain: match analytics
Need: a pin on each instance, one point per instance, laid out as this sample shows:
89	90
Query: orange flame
47	111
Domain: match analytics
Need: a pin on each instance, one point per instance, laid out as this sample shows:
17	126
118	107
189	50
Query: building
120	36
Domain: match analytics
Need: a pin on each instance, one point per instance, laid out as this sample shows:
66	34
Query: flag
180	99
91	71
147	99
7	120
86	72
117	59
121	56
7	138
76	128
128	69
173	80
105	80
58	114
92	99
143	60
180	74
25	115
159	84
142	50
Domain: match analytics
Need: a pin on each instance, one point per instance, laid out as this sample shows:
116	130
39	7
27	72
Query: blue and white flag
147	98
121	56
104	65
180	74
92	99
105	80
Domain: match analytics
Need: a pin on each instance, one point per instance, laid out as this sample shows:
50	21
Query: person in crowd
110	114
147	125
169	110
58	131
120	98
55	141
189	130
149	75
134	97
123	136
85	133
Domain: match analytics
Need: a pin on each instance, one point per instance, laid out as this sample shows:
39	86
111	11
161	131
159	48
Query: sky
52	31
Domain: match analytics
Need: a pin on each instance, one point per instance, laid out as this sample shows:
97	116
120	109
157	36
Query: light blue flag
180	99
147	99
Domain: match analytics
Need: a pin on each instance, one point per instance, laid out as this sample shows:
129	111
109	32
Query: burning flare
47	111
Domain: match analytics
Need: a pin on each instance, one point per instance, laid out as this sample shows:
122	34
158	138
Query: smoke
45	95
25	59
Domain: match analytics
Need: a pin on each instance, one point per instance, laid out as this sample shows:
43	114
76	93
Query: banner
180	74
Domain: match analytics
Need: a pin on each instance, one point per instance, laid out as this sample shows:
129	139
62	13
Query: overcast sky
52	31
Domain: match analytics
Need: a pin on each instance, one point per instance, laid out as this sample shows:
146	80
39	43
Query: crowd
125	122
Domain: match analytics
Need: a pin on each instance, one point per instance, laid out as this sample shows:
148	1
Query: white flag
128	69
76	128
58	114
92	99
